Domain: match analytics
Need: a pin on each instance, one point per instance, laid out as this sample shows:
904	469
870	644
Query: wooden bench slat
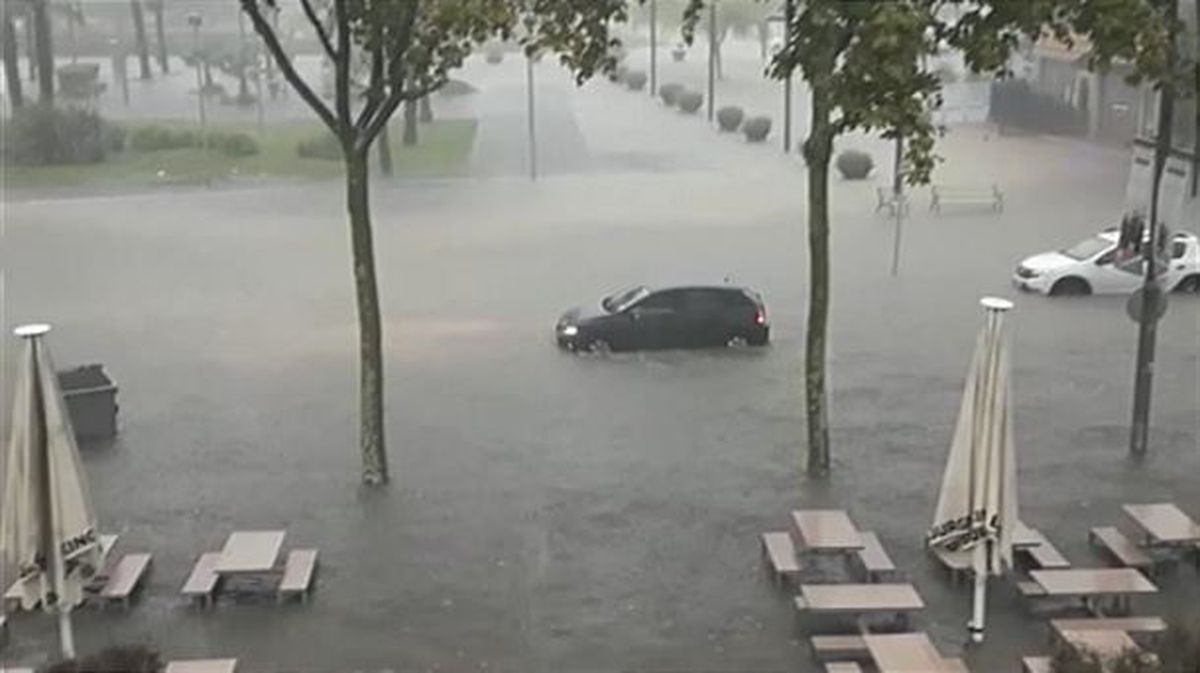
1128	624
1121	547
202	582
781	553
836	648
298	571
873	556
1029	588
1036	664
126	576
1046	556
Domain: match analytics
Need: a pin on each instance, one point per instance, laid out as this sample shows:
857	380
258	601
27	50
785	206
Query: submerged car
639	318
1096	266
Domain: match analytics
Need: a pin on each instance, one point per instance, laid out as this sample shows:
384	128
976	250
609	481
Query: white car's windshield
624	299
1087	248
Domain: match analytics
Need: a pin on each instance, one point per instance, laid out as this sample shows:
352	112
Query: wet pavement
558	513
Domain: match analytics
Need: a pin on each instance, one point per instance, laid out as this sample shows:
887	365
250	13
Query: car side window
660	301
1178	249
1106	258
705	301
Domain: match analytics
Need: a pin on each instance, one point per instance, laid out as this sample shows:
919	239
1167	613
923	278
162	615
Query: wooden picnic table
202	666
1025	537
860	598
1093	582
905	653
250	552
1164	523
828	530
1108	643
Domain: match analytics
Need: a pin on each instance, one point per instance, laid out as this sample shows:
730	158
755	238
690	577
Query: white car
1092	266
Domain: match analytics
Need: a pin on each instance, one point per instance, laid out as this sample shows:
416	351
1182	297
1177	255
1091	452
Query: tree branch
319	27
285	64
374	95
394	99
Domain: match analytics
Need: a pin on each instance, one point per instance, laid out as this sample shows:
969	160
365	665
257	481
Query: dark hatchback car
677	317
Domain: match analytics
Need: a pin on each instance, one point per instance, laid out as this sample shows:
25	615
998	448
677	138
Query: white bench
298	572
1046	556
941	195
780	553
1036	665
874	558
201	585
843	667
840	648
125	578
1121	547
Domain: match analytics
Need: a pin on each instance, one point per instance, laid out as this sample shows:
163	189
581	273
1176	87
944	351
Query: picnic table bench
1093	583
1036	665
905	653
840	648
965	195
874	558
1131	625
826	530
1121	547
202	666
780	554
298	572
201	584
843	667
1165	524
125	579
1106	643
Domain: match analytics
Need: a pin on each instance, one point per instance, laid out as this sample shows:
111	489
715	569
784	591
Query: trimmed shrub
854	165
669	93
729	118
234	144
79	80
324	146
114	137
636	80
757	129
157	138
689	101
38	135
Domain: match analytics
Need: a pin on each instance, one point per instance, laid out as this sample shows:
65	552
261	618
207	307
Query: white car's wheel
1071	286
1190	284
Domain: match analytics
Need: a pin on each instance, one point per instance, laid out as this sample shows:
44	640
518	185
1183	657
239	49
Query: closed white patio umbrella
977	506
48	541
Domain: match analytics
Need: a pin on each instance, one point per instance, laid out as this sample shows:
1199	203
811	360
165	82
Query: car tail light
760	317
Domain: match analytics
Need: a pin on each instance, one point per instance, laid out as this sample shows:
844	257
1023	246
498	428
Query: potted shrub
669	93
854	165
756	129
689	101
635	80
729	118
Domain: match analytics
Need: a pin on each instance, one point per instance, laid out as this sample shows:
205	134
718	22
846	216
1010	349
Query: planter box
91	398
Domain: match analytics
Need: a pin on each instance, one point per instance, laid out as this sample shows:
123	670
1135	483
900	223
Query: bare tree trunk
161	32
818	149
426	110
410	123
370	330
762	39
12	71
45	52
30	43
139	33
385	151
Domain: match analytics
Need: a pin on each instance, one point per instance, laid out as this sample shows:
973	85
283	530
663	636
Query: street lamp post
898	204
653	47
195	20
789	13
712	56
529	26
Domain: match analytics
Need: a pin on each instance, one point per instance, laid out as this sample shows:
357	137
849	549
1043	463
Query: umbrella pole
66	634
979	606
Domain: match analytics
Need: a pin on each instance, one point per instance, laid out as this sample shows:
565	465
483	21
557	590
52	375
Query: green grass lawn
443	149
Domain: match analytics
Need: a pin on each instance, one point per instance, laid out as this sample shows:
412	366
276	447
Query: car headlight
1026	272
569	330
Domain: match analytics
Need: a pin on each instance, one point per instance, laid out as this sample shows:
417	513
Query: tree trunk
139	34
160	32
385	151
370	331
762	39
426	110
818	149
30	43
410	123
12	71
45	52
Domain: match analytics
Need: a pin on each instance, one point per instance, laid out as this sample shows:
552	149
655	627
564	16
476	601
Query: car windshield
1087	248
622	300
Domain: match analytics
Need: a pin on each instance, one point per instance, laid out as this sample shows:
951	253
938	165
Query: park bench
874	558
780	554
1046	556
125	578
941	195
1036	665
843	667
840	648
1131	625
201	585
298	572
1125	551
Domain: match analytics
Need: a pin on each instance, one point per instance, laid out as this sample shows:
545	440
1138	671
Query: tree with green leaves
139	36
11	55
160	31
412	46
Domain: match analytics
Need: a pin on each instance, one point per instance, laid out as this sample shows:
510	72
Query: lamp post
789	14
712	56
653	47
195	20
531	110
